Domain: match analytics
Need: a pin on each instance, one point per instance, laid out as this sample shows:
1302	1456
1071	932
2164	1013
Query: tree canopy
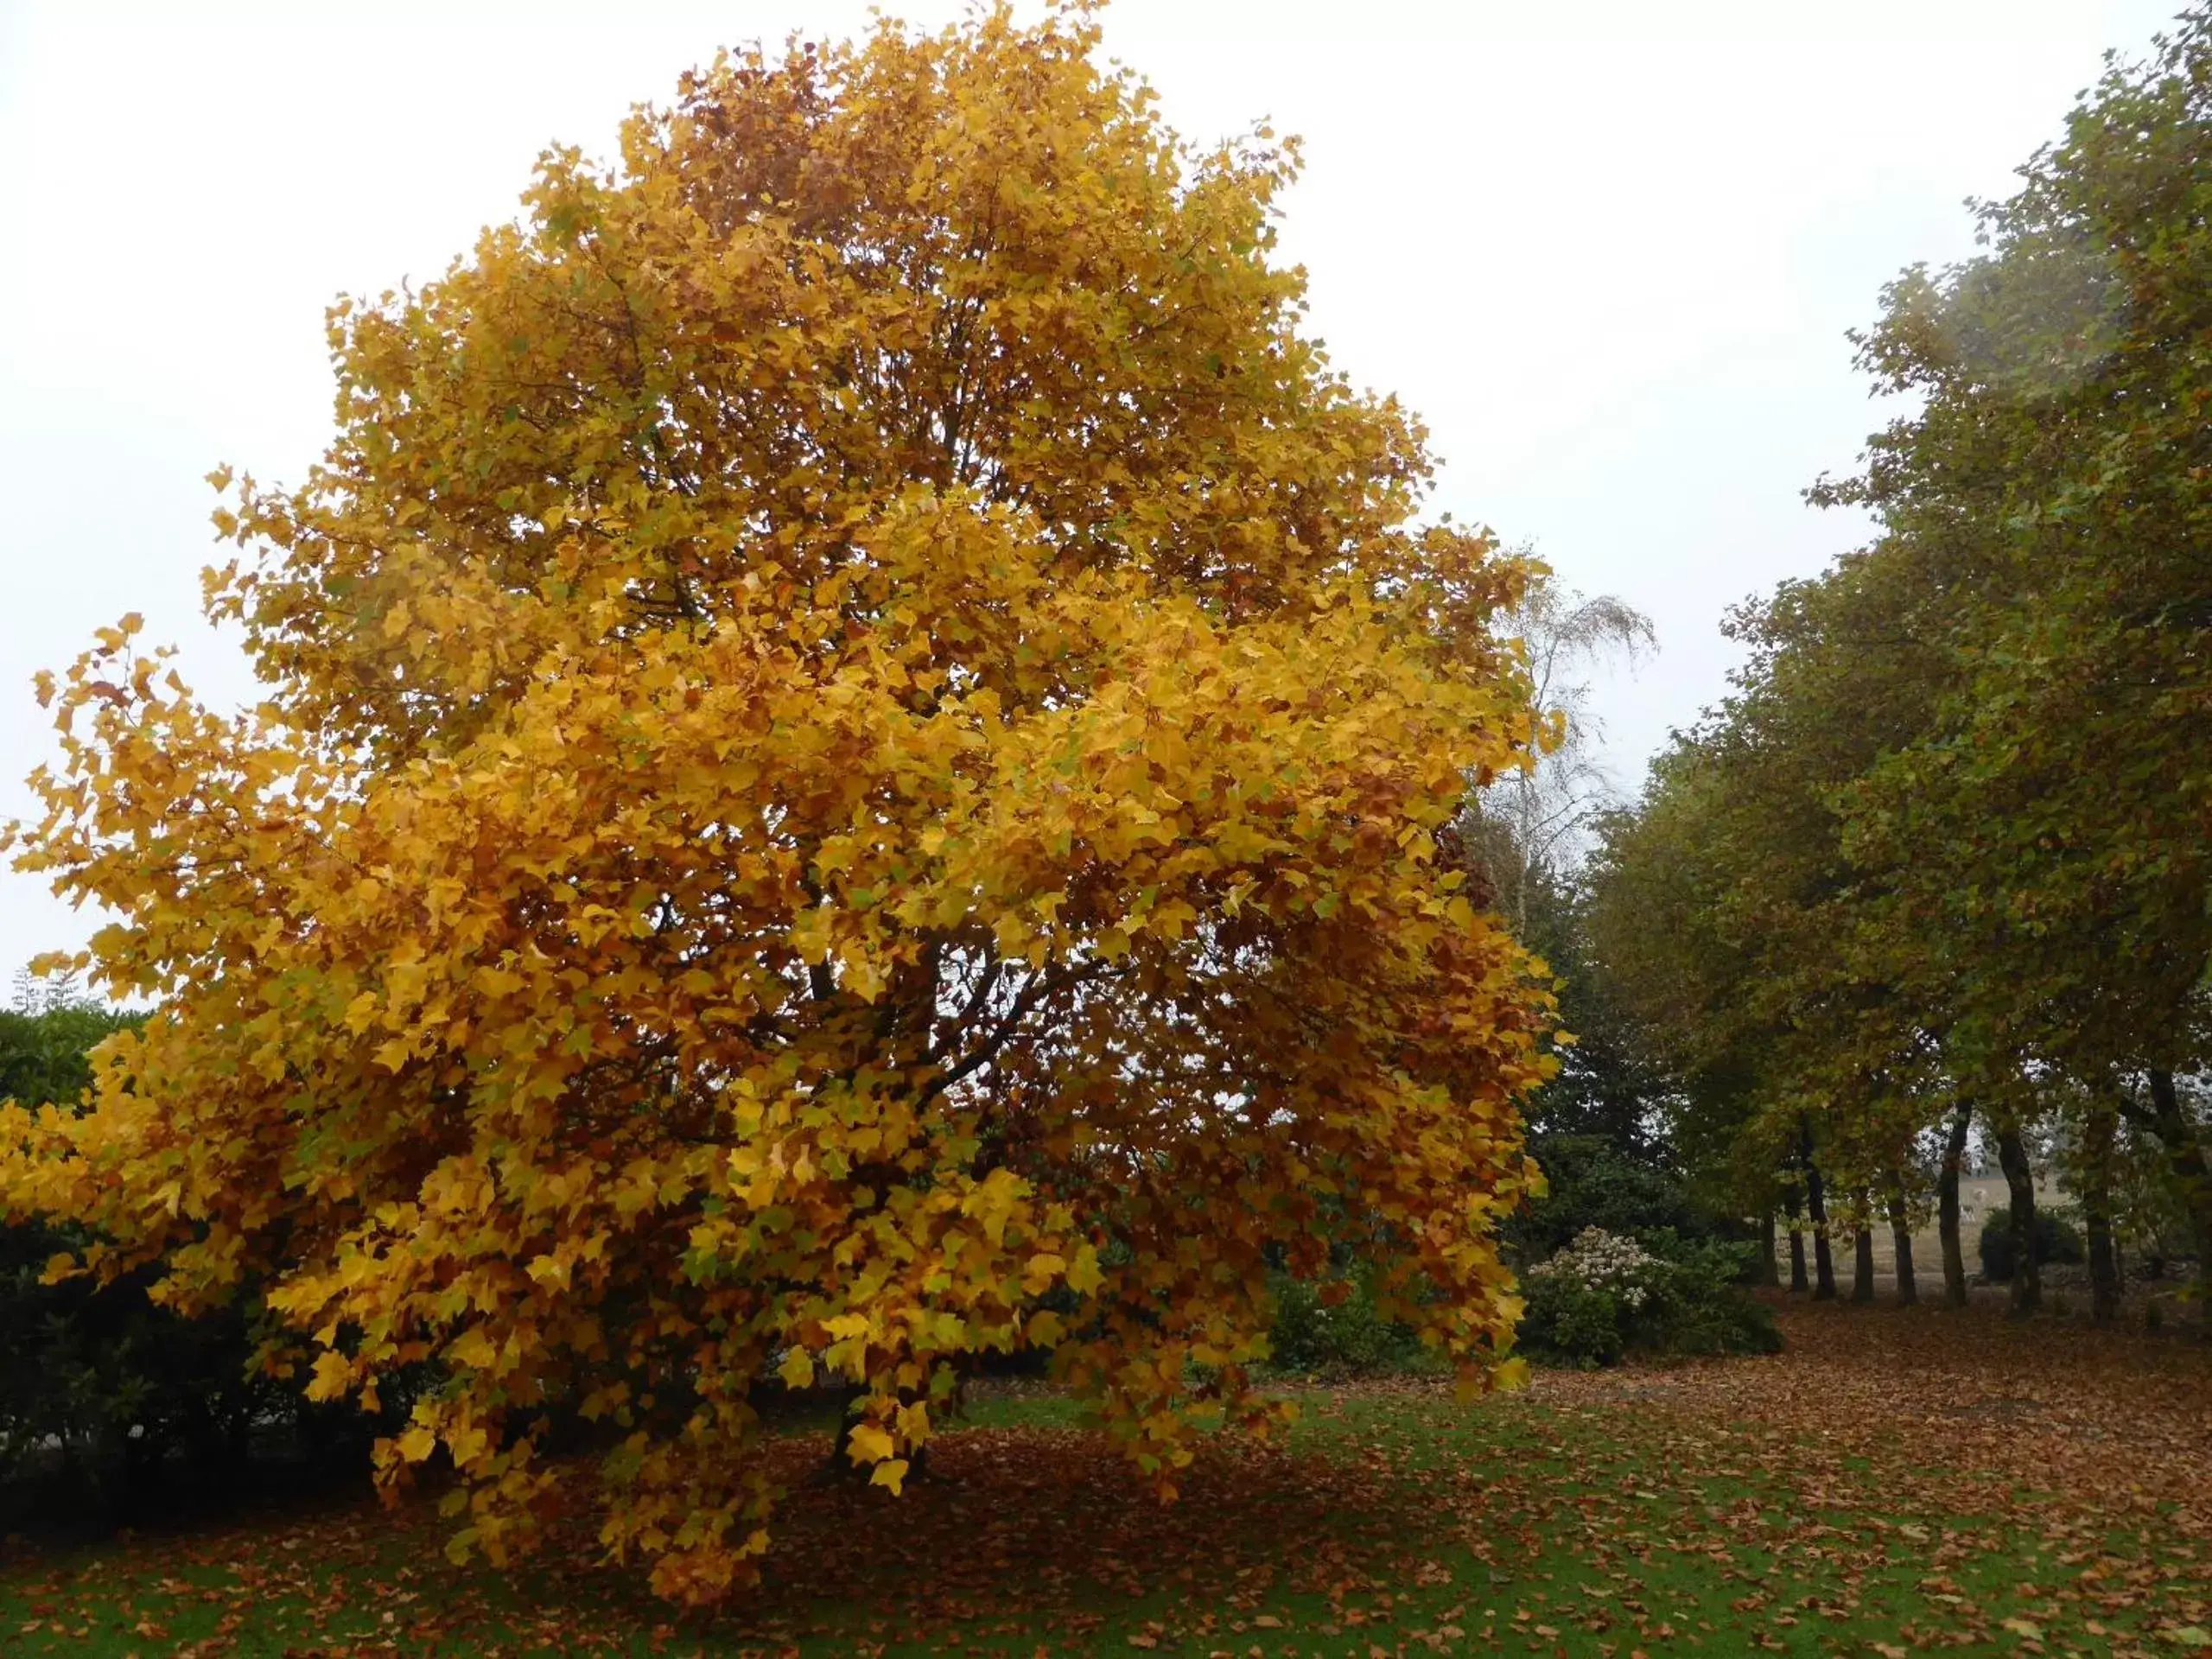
855	733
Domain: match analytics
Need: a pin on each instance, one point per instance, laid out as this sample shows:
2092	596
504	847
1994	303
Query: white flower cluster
1598	1260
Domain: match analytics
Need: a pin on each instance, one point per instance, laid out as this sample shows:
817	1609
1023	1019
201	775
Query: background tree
1596	1125
1939	860
855	729
2050	825
1533	825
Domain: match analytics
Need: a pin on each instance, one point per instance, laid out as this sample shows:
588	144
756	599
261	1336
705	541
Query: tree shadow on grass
1051	1532
1022	1537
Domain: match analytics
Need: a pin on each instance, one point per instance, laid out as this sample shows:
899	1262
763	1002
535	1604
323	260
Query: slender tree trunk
1862	1250
2020	1180
1816	1206
1770	1261
1947	1206
1901	1243
2097	1133
2185	1152
836	1468
1798	1283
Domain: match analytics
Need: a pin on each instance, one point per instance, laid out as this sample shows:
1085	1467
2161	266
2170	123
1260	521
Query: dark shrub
100	1387
1352	1338
108	1385
1575	1324
1594	1183
2055	1241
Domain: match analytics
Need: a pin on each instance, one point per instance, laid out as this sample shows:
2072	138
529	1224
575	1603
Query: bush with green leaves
108	1383
1608	1296
1352	1338
99	1386
2055	1241
1597	1182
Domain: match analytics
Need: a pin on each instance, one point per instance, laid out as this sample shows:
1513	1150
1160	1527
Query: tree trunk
1770	1261
2097	1133
1947	1206
1797	1280
1901	1241
2185	1152
1862	1252
836	1468
1816	1206
2020	1180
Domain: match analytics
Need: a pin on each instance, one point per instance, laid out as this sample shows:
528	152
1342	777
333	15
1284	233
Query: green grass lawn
1892	1484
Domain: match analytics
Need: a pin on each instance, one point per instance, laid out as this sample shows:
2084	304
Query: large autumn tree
854	739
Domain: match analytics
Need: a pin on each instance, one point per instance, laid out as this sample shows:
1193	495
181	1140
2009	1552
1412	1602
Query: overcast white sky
1609	250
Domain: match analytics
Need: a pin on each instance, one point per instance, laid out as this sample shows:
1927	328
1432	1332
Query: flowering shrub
1601	1260
1607	1295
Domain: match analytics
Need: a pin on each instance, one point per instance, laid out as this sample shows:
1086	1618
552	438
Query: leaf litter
1895	1482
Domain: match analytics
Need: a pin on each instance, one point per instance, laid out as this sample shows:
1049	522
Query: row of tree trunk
2162	1116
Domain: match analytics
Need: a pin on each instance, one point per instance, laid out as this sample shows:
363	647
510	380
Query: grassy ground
1896	1482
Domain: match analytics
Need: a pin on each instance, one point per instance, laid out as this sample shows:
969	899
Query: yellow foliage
857	732
891	1472
870	1444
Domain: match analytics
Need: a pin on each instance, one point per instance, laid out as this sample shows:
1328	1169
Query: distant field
1979	1195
